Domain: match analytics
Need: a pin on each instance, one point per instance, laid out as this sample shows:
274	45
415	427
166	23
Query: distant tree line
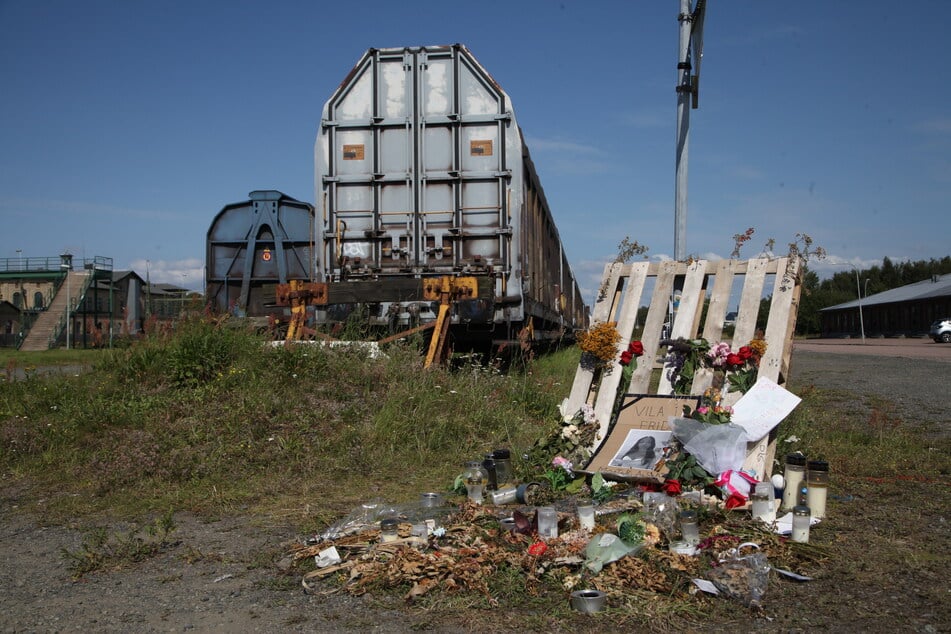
841	287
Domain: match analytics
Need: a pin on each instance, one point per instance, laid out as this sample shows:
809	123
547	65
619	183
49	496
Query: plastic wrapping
717	448
605	548
662	511
742	577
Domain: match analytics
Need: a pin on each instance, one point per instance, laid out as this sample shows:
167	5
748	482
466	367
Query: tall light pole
858	291
690	52
69	301
19	259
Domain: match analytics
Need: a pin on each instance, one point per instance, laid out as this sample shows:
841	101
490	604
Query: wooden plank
749	301
603	308
724	273
777	327
691	301
626	320
650	339
780	327
657	312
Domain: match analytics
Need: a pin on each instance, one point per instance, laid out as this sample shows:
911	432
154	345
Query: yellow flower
600	341
758	346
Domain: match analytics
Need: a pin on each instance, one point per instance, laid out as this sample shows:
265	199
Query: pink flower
718	354
703	409
564	463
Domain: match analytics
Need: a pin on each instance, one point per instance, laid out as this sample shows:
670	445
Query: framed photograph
640	440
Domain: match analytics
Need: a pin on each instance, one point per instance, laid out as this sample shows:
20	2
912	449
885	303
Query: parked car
941	330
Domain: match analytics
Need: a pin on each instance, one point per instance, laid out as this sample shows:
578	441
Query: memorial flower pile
738	370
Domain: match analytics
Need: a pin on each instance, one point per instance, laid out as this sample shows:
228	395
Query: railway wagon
254	245
421	170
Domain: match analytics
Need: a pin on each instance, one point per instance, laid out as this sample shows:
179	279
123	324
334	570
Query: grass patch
209	420
101	549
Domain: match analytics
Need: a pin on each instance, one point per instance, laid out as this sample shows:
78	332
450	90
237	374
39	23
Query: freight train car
254	245
421	170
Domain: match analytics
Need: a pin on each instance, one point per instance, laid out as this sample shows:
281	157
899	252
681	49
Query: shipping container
421	170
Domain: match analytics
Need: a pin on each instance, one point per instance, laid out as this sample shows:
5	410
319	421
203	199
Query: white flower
563	410
792	439
587	413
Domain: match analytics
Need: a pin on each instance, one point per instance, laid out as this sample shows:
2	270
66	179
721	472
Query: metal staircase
51	323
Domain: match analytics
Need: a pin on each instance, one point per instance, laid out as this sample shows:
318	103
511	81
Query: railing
71	306
52	263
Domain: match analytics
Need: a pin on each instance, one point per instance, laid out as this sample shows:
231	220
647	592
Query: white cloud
189	273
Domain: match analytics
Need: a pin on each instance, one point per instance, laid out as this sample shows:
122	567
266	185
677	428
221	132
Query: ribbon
736	484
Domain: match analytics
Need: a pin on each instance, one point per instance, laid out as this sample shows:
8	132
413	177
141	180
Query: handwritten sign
637	442
763	407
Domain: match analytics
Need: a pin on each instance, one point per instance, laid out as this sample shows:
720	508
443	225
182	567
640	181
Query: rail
47	264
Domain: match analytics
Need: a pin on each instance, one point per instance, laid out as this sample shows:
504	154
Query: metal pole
69	315
858	289
683	132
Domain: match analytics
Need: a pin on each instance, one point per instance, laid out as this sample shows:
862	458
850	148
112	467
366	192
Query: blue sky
126	126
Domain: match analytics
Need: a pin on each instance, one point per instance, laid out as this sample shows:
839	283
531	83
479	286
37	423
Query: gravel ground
218	576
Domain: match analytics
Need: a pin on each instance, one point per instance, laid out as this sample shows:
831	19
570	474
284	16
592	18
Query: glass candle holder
764	502
800	524
504	495
794	474
389	530
689	528
817	479
503	466
475	478
490	469
586	515
430	499
547	522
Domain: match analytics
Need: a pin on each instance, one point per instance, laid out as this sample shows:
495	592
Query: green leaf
575	485
597	482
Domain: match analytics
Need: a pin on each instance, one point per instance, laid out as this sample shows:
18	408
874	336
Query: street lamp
19	259
858	291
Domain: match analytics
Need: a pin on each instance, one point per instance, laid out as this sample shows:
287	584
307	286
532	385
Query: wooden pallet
620	296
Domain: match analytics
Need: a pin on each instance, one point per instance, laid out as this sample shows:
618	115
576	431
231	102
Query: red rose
745	352
734	501
538	548
672	487
733	359
636	348
626	357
